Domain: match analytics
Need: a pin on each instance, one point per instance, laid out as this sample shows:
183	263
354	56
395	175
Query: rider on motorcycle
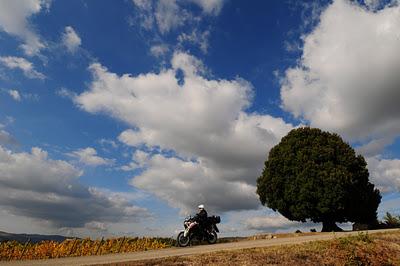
201	217
200	227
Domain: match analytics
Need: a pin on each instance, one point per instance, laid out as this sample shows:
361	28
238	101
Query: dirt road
169	252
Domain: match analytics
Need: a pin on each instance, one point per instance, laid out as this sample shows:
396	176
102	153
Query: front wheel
212	238
182	240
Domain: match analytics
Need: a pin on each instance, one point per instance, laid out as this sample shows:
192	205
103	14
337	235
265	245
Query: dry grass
363	249
12	250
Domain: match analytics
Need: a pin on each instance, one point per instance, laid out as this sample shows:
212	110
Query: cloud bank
201	145
347	78
35	186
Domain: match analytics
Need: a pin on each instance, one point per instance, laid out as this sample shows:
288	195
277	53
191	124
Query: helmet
201	206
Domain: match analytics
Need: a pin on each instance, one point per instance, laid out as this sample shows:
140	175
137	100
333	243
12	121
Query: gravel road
170	252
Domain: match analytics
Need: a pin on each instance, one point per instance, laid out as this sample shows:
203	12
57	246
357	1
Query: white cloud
145	14
14	19
275	222
15	95
71	39
139	160
27	67
159	50
374	147
263	220
269	223
212	7
35	186
108	142
66	93
143	4
6	138
89	156
169	15
184	184
219	148
96	226
196	38
347	78
385	173
177	18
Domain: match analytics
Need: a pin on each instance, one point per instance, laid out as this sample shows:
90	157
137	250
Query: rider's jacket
201	217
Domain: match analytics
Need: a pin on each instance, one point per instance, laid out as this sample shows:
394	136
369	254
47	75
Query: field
13	250
362	249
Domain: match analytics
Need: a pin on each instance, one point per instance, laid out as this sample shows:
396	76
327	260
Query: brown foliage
13	250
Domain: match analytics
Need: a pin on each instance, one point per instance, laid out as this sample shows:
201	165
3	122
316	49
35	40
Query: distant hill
4	236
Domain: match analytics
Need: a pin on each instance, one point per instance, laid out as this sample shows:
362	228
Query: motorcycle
193	231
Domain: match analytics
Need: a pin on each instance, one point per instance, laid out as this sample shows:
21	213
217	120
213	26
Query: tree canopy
315	175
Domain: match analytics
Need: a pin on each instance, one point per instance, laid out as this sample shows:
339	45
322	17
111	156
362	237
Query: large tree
315	175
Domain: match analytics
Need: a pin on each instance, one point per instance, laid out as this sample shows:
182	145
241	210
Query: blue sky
120	117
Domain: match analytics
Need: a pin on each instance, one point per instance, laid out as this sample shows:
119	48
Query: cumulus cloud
197	38
108	142
169	15
139	160
35	186
184	184
6	138
275	222
374	147
269	223
159	50
210	6
347	78
216	150
166	15
143	4
145	16
18	96
24	65
71	39
89	156
96	226
15	95
65	93
385	173
178	18
14	20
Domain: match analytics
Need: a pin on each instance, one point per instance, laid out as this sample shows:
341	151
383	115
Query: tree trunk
330	226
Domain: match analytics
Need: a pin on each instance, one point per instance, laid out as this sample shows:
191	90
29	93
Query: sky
120	117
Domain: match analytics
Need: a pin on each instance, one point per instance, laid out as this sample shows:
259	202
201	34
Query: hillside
34	238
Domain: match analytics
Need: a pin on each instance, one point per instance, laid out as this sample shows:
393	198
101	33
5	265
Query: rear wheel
212	238
182	240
